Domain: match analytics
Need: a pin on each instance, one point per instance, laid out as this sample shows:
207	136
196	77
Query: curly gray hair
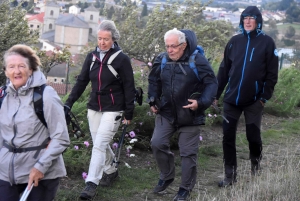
108	25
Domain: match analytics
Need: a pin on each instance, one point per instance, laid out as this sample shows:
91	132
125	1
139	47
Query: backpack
37	101
191	63
138	91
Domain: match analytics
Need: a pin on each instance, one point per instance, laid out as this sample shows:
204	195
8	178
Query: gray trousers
188	146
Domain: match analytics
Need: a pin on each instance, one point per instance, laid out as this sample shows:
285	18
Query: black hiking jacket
109	94
250	65
171	87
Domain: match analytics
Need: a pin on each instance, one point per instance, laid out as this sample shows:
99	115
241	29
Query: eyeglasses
173	46
251	18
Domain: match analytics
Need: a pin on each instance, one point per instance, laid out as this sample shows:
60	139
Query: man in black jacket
179	97
250	71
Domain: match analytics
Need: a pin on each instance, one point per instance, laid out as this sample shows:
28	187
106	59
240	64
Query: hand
67	110
154	109
34	177
193	104
125	121
262	103
215	102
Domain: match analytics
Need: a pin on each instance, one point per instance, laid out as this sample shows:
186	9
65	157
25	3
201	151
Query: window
51	12
90	30
62	80
31	26
38	26
91	17
55	80
50	26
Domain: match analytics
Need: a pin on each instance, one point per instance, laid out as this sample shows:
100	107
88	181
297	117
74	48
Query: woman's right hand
34	177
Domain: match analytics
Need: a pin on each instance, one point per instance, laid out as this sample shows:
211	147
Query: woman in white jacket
30	152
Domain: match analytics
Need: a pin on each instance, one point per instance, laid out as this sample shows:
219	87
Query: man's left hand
193	105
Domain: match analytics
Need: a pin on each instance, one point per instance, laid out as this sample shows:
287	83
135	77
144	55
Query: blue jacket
171	87
250	65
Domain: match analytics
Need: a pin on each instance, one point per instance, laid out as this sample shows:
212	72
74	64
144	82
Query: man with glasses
178	98
249	70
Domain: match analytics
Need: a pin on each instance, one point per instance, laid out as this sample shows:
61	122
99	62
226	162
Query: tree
52	59
13	30
145	10
272	31
290	32
293	13
110	12
147	42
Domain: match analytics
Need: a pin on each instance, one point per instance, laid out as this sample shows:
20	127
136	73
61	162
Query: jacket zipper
243	71
112	97
99	77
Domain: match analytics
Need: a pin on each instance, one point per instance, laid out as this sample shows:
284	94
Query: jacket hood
252	11
37	79
191	41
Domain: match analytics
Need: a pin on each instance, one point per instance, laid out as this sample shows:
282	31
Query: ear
184	46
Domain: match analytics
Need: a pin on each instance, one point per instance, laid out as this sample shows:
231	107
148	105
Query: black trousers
253	116
45	191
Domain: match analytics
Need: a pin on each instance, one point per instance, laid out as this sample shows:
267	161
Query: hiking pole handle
26	193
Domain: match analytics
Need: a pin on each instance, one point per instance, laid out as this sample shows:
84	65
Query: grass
280	172
282	28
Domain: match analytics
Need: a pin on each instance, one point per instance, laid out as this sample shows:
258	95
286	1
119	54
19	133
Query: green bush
286	95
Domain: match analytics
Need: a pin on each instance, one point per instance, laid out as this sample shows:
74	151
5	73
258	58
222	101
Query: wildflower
84	175
200	138
133	141
149	64
141	123
127	165
215	115
132	155
126	135
76	147
128	147
87	144
115	145
209	115
132	134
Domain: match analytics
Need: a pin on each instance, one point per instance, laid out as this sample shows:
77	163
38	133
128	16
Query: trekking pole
220	112
26	193
118	152
76	129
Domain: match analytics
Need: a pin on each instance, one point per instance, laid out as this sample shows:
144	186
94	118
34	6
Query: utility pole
67	77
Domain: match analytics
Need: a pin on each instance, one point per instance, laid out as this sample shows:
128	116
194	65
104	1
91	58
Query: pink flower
132	134
115	145
209	115
141	123
215	115
87	144
84	175
76	147
200	138
149	64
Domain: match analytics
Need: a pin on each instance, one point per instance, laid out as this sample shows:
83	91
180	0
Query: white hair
175	31
108	25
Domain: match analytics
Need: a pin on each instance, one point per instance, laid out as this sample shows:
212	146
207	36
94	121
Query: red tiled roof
39	17
60	88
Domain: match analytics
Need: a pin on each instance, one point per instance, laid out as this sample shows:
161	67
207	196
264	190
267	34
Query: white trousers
103	127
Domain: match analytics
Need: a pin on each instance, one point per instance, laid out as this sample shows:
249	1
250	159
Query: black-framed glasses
173	46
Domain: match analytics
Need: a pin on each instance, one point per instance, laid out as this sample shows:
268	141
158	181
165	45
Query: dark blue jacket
250	65
171	88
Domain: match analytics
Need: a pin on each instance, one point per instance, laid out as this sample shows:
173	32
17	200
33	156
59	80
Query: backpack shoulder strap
192	63
38	103
163	62
93	61
2	94
110	60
